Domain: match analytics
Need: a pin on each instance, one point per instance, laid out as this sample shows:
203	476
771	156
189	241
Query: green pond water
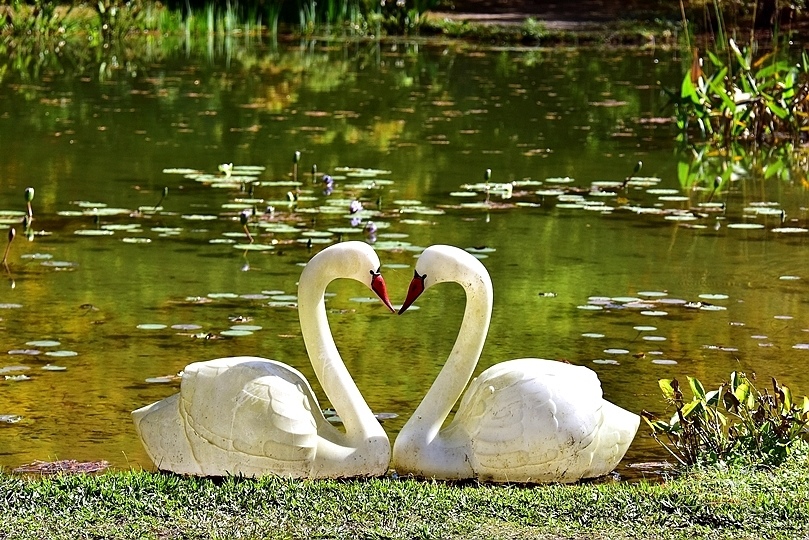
108	292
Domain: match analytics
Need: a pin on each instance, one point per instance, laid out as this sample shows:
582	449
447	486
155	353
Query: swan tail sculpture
253	416
161	429
617	433
525	420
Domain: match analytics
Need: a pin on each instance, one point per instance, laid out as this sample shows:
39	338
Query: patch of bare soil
555	14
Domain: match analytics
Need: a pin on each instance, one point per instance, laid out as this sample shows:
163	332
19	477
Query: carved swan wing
531	414
253	407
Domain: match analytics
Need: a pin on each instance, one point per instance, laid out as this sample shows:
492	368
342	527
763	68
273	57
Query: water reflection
407	130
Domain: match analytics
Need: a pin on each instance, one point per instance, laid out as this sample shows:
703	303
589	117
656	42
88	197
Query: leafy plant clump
735	424
761	100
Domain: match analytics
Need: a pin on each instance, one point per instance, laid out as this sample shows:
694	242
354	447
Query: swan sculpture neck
345	260
455	266
523	420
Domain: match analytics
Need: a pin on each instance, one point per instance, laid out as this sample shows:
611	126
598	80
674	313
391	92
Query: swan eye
416	274
377	272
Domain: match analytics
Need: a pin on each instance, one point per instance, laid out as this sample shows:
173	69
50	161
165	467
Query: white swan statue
252	416
527	421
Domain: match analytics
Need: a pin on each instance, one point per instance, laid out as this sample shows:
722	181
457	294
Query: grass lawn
709	503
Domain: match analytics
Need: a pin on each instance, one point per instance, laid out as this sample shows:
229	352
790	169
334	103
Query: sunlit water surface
637	283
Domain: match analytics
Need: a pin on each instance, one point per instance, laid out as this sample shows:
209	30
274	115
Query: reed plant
743	97
307	14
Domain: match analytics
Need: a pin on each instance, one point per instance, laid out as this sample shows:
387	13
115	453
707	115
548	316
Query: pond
115	288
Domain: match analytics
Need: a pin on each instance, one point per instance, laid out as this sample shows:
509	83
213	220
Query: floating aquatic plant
244	218
52	367
43	343
11	234
226	169
162	197
296	157
635	171
29	196
62	353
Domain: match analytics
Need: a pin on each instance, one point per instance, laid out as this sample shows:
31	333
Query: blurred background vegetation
114	17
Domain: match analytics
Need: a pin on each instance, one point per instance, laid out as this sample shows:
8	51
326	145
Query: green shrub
734	424
739	98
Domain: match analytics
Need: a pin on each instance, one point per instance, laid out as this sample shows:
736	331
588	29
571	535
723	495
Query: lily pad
199	217
652	294
151	326
122	227
236	333
254	247
52	367
13	369
607	361
364	299
43	343
62	353
164	379
284	298
712	308
246	327
59	265
713	296
625	299
94	232
745	226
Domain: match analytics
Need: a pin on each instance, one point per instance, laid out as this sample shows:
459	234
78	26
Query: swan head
438	264
352	260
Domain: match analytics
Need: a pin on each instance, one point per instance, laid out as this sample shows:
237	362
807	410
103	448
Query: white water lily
226	169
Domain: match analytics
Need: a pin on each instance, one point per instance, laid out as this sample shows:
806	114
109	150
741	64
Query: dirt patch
555	13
